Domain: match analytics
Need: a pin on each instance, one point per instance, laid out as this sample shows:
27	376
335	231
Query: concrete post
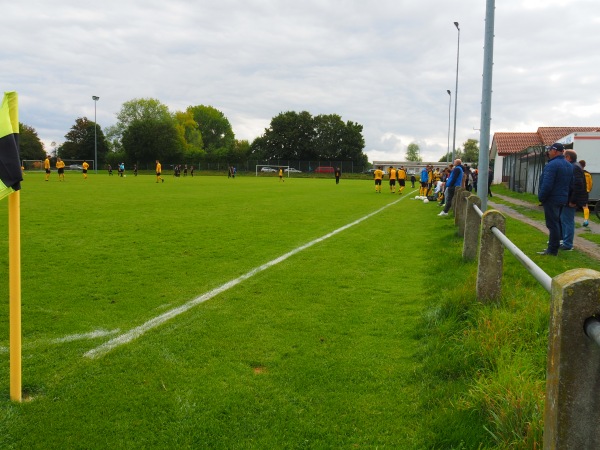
572	411
472	224
491	257
457	192
461	211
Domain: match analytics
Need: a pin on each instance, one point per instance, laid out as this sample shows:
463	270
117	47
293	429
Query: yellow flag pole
14	273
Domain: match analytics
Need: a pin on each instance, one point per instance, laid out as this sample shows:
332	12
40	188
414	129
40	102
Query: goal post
264	169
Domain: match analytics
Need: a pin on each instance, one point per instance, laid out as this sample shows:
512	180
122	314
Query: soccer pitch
288	310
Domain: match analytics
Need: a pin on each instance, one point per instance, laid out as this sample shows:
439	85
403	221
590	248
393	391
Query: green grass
371	338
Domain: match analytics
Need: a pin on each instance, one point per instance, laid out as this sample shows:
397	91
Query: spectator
556	179
454	181
578	197
588	187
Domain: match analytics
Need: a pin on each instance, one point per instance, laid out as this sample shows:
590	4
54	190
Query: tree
147	140
190	136
470	151
300	136
30	146
82	143
413	153
215	129
139	109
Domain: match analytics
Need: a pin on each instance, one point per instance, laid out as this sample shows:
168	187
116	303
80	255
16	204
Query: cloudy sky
385	64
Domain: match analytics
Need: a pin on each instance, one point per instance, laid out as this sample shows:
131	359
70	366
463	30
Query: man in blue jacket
454	180
556	180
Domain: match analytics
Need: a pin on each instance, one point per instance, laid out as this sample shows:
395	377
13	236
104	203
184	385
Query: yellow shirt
392	174
85	166
401	174
378	174
60	164
46	163
158	168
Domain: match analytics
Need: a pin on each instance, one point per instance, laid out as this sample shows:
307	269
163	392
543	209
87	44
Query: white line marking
138	331
91	335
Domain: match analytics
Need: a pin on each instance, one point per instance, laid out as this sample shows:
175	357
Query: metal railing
571	416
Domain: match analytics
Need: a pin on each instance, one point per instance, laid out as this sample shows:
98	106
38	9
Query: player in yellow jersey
401	175
47	167
85	166
281	174
158	172
378	175
60	166
589	183
392	173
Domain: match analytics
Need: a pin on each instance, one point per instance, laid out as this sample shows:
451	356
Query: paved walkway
583	245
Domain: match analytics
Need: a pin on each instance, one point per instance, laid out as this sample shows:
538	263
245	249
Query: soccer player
338	173
401	174
378	175
424	182
392	173
47	167
158	172
192	171
281	174
85	166
60	166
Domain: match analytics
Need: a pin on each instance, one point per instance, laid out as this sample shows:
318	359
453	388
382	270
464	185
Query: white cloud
385	65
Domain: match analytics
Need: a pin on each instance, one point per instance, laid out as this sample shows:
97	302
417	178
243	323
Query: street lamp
449	109
95	98
456	91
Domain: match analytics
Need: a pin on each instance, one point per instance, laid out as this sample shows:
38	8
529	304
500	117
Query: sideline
140	330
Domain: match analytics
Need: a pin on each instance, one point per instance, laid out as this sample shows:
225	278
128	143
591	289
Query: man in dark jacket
556	180
578	197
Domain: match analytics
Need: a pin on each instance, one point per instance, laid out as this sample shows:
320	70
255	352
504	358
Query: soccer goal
271	169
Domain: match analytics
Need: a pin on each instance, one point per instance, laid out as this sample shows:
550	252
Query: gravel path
583	245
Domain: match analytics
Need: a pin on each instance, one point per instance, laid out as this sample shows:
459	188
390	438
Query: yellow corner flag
10	163
10	183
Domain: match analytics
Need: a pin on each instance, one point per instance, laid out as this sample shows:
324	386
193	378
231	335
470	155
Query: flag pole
14	271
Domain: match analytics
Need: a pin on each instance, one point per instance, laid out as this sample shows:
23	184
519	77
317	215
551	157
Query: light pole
95	98
449	109
456	91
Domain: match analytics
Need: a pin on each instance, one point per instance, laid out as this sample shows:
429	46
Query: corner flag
10	161
10	183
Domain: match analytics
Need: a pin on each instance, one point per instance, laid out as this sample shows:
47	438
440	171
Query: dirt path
583	245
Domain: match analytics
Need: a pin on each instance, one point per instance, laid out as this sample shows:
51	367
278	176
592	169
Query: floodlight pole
95	98
456	91
449	114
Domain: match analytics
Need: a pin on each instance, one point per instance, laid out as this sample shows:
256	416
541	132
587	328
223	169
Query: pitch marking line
138	331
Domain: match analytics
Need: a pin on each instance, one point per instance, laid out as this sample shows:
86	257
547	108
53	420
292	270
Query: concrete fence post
491	257
455	200
472	226
461	211
572	411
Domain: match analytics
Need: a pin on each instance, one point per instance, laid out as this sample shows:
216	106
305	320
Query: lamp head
456	25
95	98
448	91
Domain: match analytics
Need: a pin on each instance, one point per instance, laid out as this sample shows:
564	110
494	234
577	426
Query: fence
571	416
250	165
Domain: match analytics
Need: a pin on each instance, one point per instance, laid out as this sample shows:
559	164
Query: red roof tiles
508	143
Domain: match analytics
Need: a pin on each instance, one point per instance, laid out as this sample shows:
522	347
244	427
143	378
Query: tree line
146	130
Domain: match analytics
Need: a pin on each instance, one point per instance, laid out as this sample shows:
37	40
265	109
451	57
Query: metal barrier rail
592	329
542	277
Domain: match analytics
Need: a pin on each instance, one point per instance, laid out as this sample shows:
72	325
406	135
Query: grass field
336	346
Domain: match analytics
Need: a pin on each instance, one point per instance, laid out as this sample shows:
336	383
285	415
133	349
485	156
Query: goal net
271	169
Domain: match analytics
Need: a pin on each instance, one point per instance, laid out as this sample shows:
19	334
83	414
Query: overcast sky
385	64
